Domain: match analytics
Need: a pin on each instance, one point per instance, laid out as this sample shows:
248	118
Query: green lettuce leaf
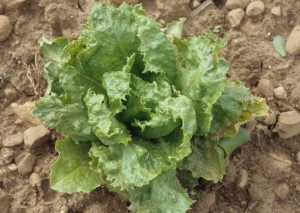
130	166
175	28
105	126
145	97
71	172
53	55
186	179
201	75
163	195
206	159
235	107
158	53
71	119
109	37
117	85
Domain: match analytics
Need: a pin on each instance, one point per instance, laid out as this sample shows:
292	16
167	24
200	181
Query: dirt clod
265	89
5	27
10	94
280	93
25	111
4	202
7	156
282	191
288	124
36	136
235	17
255	8
293	42
25	166
13	140
44	189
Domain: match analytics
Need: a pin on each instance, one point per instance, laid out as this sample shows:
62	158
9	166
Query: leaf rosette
139	107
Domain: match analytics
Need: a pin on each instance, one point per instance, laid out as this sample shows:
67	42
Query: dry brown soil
269	161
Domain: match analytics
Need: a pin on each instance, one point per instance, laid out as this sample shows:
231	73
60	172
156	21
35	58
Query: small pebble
255	8
36	136
4	202
282	191
132	2
25	166
233	4
242	179
276	11
34	179
13	140
235	17
265	88
251	205
245	3
279	93
12	167
195	4
64	209
293	42
271	119
5	27
211	199
10	94
37	169
298	157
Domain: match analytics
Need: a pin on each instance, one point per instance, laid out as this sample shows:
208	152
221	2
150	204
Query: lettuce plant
142	111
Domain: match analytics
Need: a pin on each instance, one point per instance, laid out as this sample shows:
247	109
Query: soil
270	162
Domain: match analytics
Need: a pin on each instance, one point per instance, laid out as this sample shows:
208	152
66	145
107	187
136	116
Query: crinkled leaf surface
135	164
130	166
145	97
105	126
71	119
53	55
187	180
140	96
117	86
110	37
205	160
201	75
71	172
163	195
235	107
174	29
159	57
